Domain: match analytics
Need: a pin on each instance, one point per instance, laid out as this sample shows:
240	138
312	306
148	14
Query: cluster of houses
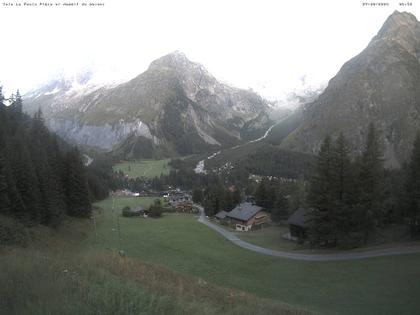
125	193
129	193
179	200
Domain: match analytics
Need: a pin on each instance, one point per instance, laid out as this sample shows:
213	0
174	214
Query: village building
180	201
298	225
247	216
125	193
221	216
179	197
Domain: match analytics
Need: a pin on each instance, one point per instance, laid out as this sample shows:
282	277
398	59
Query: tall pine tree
4	196
370	183
413	188
76	186
341	177
321	198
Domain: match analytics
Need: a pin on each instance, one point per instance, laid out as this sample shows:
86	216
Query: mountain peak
397	21
174	59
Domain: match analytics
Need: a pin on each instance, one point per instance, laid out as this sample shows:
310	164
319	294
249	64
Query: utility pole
119	233
94	227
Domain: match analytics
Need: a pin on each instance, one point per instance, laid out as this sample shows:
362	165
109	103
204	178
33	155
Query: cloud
270	46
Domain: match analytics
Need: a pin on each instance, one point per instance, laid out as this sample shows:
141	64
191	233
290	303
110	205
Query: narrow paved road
308	257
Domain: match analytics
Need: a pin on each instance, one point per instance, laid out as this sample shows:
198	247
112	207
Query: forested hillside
41	178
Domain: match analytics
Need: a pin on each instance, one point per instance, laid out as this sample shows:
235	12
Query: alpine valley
171	192
177	107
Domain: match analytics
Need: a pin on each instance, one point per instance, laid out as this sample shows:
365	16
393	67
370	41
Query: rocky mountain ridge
175	106
380	85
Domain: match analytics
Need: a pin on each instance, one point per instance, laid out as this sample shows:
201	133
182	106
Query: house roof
298	218
221	215
244	211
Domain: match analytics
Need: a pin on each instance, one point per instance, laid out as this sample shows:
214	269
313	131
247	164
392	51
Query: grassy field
384	285
269	237
144	168
55	276
132	202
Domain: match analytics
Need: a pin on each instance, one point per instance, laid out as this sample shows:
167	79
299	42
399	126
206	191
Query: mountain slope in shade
175	107
380	85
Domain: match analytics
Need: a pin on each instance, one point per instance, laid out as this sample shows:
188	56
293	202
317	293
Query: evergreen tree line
351	195
218	197
279	199
41	178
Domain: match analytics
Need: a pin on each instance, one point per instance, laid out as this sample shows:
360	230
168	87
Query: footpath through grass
383	285
144	168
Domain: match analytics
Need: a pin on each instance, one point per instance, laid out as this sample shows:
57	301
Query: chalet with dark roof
246	216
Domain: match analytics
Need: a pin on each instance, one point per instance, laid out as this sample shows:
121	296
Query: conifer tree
412	187
370	182
4	198
280	209
197	195
17	103
1	96
261	193
341	178
26	179
265	195
76	186
321	197
236	197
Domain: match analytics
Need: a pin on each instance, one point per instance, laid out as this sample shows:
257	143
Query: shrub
156	209
126	212
12	232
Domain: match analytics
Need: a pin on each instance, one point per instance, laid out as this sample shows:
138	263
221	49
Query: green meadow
383	285
143	168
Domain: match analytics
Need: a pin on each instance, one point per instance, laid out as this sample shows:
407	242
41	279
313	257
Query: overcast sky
274	47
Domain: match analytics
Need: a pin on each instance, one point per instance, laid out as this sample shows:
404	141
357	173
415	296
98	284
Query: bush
126	212
12	232
156	209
